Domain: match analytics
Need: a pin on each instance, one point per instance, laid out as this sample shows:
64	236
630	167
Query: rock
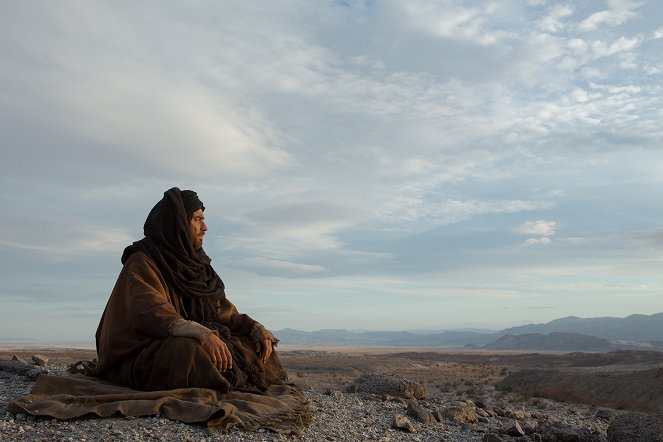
559	432
480	404
605	414
461	413
500	411
34	373
40	360
515	430
389	385
636	427
421	414
529	427
518	414
19	359
87	368
22	368
402	423
491	437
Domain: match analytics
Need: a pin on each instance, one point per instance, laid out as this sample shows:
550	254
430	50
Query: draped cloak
165	303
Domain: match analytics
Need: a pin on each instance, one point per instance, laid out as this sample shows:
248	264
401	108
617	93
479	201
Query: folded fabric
282	408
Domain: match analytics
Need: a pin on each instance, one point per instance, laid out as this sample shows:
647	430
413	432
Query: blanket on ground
282	408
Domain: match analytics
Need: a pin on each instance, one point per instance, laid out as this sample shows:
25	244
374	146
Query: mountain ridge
635	331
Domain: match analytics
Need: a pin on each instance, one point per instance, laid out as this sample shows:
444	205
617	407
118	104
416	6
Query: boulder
392	385
40	360
461	413
421	414
402	423
19	367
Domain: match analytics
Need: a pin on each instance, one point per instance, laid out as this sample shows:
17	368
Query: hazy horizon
13	341
364	165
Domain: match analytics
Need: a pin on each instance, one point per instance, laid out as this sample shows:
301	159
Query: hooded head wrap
191	202
168	242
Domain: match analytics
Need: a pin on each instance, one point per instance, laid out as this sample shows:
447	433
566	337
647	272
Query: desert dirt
508	381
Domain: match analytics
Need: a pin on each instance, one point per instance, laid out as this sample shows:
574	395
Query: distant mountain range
632	328
570	333
553	341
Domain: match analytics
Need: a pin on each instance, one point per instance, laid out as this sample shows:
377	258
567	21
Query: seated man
168	323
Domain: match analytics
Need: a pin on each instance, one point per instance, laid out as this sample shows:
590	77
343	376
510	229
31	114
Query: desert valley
400	393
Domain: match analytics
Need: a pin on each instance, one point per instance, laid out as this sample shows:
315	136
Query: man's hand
218	352
264	349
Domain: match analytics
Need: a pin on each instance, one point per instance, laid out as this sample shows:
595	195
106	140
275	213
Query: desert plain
469	395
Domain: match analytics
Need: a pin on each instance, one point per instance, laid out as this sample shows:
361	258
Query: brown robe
144	342
167	300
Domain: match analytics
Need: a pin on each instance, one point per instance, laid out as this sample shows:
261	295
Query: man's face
197	227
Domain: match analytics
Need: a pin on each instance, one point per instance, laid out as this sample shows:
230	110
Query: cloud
415	214
283	266
543	229
534	241
553	21
540	227
619	12
73	238
448	19
622	44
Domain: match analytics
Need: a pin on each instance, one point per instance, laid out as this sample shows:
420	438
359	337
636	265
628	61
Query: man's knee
182	346
185	363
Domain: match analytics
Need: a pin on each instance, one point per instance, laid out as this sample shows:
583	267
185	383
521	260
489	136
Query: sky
365	165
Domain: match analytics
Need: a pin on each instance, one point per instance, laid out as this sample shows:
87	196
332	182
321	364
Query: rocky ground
354	397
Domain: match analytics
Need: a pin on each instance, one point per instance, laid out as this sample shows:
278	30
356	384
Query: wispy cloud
618	12
541	230
451	20
540	227
283	266
554	21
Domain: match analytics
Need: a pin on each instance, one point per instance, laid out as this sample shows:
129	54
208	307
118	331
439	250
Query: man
168	323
